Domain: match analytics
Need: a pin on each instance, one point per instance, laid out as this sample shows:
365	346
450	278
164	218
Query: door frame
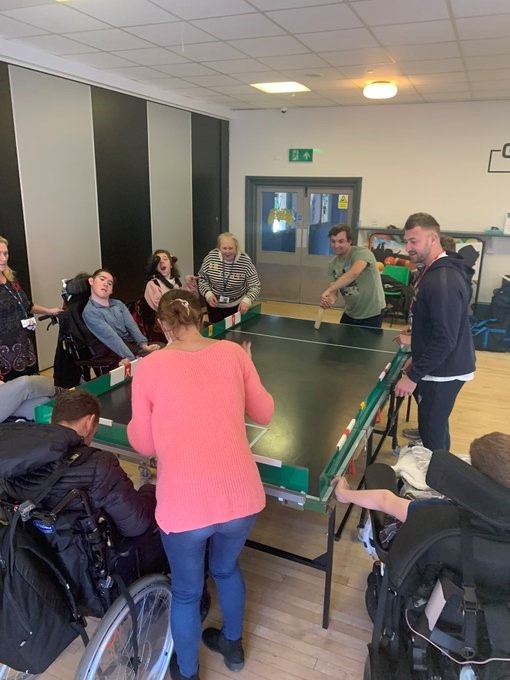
253	182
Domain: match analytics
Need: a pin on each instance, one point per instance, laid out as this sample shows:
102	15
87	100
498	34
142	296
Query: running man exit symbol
300	155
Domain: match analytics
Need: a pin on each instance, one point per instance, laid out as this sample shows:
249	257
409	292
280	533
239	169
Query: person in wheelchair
489	454
20	396
440	595
111	322
111	494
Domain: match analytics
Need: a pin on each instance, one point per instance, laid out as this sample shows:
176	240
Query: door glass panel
326	209
278	228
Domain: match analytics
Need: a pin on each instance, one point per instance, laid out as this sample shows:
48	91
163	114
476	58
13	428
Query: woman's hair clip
184	303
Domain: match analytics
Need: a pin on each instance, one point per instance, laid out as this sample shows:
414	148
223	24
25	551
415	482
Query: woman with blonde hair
17	353
228	279
208	486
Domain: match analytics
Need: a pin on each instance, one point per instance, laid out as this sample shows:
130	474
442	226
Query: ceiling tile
57	18
211	81
209	52
370	55
484	27
136	72
10	28
425	79
123	12
311	77
484	76
152	56
101	60
177	33
429	51
111	39
237	65
268	47
377	13
439	86
474	8
294	61
168	83
408	34
472	48
240	26
312	19
17	4
349	38
261	77
57	44
265	5
431	66
374	72
200	9
185	70
235	90
496	61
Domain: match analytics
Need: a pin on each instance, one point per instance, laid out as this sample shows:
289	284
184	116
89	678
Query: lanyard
17	296
225	281
417	282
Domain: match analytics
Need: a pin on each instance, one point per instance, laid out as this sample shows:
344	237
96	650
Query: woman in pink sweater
189	403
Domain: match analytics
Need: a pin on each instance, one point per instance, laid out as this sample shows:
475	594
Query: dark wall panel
12	225
209	153
122	167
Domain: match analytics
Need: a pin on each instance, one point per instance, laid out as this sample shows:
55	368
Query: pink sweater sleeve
259	403
139	429
153	294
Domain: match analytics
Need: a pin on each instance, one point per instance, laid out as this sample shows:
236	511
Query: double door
292	243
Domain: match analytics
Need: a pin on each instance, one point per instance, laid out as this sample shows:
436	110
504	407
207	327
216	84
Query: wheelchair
440	593
79	355
112	649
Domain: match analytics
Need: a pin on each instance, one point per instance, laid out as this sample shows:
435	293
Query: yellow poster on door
343	201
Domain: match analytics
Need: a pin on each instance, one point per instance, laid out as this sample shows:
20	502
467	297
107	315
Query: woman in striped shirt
228	279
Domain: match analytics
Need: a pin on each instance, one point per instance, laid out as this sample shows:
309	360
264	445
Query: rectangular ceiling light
275	88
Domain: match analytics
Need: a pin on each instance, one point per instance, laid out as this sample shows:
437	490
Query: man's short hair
448	243
490	454
103	269
338	228
73	405
423	220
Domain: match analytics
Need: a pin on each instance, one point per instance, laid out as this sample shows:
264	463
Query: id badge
29	323
224	298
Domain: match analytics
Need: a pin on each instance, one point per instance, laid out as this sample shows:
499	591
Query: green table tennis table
329	386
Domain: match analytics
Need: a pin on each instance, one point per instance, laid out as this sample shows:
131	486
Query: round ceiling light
380	89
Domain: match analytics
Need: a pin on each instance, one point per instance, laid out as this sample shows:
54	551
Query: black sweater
441	341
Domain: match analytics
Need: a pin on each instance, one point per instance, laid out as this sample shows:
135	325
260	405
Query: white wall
170	182
53	121
431	158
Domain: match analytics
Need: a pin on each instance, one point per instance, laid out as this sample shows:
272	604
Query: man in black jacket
30	451
442	350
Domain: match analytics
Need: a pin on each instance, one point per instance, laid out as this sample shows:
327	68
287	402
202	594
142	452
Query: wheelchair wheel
7	673
109	653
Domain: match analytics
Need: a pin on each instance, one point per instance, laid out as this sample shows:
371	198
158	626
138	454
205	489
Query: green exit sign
300	155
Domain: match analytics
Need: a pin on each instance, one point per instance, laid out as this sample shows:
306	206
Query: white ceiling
210	50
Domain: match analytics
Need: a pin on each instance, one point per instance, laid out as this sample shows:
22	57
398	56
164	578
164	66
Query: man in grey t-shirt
353	271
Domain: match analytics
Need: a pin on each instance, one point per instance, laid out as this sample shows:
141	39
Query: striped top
237	280
188	409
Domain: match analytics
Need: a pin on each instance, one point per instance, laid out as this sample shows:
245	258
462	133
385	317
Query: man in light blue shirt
110	321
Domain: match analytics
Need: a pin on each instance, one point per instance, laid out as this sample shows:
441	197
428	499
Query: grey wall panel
170	182
53	123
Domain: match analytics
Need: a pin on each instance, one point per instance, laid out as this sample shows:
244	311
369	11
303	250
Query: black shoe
176	674
232	650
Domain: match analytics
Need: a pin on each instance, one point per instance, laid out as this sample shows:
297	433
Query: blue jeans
186	553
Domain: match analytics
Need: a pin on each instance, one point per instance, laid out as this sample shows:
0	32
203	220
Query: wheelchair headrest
78	285
469	488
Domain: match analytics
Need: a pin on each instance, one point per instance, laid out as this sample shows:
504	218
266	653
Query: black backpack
38	614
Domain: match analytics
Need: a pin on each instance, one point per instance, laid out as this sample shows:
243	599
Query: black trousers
435	403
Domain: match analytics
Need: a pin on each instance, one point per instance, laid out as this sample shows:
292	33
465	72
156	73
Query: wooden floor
283	636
